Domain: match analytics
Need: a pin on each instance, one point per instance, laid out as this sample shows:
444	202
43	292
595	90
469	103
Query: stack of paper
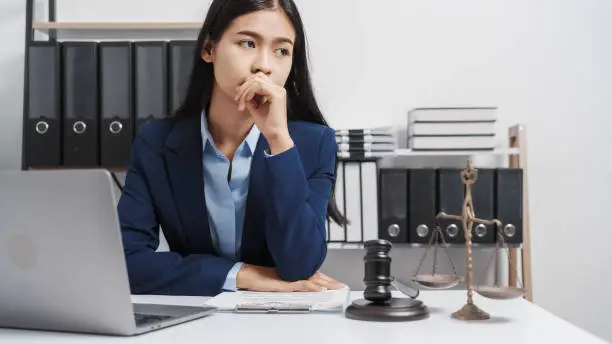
294	302
467	128
365	143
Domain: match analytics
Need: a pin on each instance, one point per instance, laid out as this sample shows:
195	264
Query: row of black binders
401	204
410	199
85	100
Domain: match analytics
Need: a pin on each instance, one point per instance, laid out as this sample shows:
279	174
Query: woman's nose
261	64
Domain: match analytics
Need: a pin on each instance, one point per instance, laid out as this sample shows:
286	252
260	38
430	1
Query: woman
240	178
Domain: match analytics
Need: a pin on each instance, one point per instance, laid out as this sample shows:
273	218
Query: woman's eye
247	44
282	52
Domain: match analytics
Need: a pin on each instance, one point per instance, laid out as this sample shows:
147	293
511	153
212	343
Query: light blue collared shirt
226	202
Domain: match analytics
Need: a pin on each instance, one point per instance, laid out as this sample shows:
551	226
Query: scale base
395	309
470	312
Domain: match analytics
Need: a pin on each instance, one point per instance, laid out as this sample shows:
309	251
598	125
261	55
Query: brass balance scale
441	281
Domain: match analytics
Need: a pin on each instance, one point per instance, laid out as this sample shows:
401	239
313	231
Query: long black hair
301	102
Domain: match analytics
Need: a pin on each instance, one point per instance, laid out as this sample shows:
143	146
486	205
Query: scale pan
437	281
499	293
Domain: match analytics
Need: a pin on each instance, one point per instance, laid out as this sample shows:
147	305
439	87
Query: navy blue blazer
284	223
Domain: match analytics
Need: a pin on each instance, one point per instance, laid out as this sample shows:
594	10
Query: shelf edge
116	25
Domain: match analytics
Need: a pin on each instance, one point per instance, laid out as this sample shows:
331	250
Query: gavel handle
409	289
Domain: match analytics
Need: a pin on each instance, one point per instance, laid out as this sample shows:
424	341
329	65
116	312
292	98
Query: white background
543	63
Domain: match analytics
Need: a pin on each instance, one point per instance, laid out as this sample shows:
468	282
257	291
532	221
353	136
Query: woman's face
260	41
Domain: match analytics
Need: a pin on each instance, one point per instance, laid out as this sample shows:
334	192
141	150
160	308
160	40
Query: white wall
12	20
544	63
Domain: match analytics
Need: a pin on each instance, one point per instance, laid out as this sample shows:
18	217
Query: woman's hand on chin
266	102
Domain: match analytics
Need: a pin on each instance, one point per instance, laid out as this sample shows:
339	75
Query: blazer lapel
185	172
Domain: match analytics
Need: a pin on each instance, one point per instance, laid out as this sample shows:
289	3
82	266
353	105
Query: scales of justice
379	305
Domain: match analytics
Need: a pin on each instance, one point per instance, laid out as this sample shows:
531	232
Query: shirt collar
250	139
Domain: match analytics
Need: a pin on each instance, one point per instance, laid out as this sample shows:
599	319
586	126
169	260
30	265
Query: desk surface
512	322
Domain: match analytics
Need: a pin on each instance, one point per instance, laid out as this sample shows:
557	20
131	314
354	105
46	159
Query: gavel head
377	271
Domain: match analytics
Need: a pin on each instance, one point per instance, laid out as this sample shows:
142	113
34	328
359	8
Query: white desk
512	322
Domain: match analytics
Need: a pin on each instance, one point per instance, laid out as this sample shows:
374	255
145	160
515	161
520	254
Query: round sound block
395	309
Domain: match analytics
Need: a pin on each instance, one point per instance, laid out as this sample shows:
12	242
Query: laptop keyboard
146	319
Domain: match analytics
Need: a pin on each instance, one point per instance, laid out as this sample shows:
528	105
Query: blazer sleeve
152	272
295	230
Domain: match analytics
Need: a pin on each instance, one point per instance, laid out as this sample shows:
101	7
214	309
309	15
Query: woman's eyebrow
258	36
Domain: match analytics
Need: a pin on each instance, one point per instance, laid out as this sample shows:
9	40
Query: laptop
62	266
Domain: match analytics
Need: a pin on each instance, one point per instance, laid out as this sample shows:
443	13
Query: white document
277	302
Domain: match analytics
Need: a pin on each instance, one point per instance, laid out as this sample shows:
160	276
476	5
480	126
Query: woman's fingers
243	92
326	281
297	286
266	279
309	286
253	88
322	276
257	86
244	97
259	90
240	90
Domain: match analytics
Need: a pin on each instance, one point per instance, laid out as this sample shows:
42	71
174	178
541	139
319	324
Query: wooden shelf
116	25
